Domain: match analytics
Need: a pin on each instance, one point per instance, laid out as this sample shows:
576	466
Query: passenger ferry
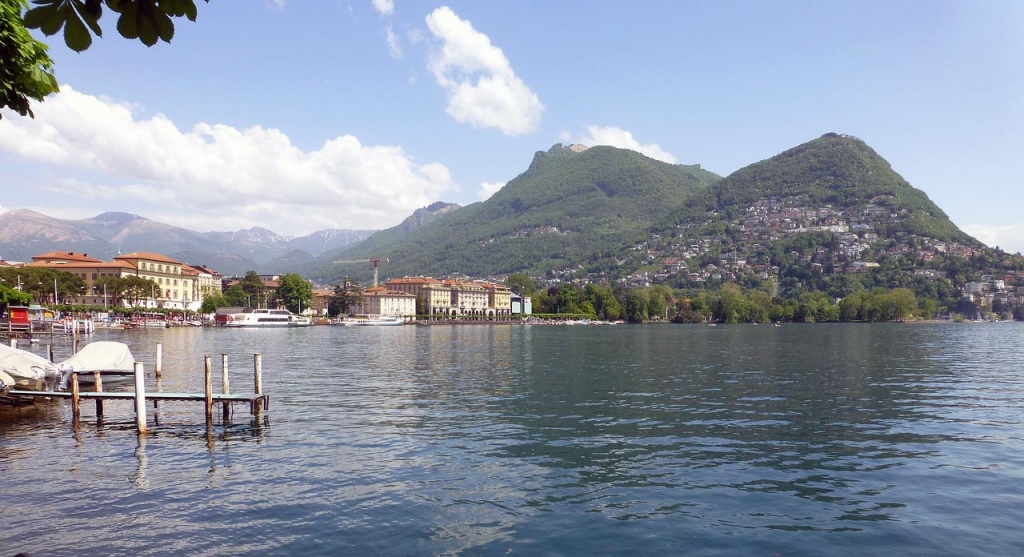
266	318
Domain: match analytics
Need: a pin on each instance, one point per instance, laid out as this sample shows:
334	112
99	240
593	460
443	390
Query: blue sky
299	115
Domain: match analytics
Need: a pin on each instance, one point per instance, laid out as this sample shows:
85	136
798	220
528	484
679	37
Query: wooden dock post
140	399
159	359
98	378
76	410
209	393
14	342
225	384
49	351
257	364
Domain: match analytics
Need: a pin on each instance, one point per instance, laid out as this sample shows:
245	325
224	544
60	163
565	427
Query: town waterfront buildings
176	285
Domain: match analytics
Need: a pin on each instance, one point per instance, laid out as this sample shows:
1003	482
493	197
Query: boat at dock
28	371
109	358
371	320
266	318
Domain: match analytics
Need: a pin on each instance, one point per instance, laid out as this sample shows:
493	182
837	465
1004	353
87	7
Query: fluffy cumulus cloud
394	47
487	189
618	137
483	91
384	7
215	177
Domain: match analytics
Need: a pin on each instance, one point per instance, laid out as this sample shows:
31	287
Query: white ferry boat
266	318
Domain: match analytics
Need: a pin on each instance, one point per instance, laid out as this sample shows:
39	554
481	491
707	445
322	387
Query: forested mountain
783	239
835	170
572	205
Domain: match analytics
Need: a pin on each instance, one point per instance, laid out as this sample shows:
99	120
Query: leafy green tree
636	306
521	284
145	20
211	302
26	71
294	292
254	288
113	288
236	296
346	295
137	289
13	297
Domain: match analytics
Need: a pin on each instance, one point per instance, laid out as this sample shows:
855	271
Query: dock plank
108	395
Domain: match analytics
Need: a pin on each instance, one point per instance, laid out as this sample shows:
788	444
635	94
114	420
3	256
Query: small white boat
106	357
28	371
371	320
267	318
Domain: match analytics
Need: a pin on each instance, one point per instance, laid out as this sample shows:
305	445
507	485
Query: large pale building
176	285
456	298
381	301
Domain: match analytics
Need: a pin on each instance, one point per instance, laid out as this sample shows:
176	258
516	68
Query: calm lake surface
542	440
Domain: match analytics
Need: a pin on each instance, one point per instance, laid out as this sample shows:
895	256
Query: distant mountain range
25	233
593	214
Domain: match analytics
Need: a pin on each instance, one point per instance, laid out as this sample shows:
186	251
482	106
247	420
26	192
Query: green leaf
147	29
36	17
164	26
190	10
128	22
56	21
76	36
89	17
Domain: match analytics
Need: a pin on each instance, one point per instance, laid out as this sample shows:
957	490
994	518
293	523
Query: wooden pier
258	401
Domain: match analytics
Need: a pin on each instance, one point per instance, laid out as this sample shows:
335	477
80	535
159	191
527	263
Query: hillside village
858	240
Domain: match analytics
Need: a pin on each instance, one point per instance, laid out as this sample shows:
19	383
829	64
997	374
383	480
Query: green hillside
836	170
569	206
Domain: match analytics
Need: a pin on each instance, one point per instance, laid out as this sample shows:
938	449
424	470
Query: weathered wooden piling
76	411
209	392
140	399
98	378
225	384
257	364
159	359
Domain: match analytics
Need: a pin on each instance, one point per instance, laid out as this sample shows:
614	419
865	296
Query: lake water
824	439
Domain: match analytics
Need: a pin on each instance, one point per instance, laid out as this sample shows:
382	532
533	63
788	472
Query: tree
253	287
112	288
211	302
521	284
346	295
137	289
235	296
294	292
26	71
145	20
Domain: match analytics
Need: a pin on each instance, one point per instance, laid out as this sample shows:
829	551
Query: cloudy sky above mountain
300	116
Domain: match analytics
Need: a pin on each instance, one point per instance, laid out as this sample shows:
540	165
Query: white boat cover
29	371
100	356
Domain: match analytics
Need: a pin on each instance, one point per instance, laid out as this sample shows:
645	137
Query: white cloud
384	7
394	47
483	91
487	189
618	137
216	177
1008	237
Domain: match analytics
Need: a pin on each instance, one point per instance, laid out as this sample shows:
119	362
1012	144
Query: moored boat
266	318
28	371
371	320
106	357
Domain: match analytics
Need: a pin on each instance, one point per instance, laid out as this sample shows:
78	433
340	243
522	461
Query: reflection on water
823	439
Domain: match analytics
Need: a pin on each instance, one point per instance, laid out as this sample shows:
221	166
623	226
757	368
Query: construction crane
374	260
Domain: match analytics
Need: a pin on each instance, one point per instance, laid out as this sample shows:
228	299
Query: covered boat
103	356
29	371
